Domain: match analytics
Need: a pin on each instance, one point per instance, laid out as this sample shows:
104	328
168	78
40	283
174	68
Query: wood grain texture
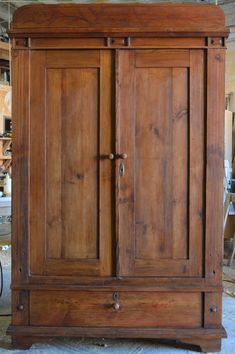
114	283
125	102
197	160
103	42
80	164
100	18
36	153
179	193
212	310
20	308
167	42
161	58
186	334
77	182
20	160
54	164
106	167
82	231
161	229
20	176
214	166
140	309
206	345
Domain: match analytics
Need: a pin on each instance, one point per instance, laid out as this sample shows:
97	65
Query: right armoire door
160	189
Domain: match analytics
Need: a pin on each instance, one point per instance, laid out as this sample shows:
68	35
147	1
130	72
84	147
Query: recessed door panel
161	154
160	199
72	164
159	187
73	233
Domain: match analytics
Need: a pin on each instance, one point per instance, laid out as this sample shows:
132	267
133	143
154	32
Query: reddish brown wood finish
199	334
161	193
73	235
134	42
114	18
139	309
104	254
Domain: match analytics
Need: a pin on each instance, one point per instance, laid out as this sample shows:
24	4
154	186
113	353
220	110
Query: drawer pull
20	307
121	156
116	306
214	309
111	156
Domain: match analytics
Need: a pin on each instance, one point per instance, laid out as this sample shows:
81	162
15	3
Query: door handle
122	156
112	156
107	157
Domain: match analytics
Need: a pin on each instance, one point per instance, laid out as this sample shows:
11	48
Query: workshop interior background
7	9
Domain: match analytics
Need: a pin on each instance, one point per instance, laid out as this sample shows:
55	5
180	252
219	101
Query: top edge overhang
102	19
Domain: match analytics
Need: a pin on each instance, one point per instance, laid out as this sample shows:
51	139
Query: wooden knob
213	309
20	307
123	156
116	306
111	156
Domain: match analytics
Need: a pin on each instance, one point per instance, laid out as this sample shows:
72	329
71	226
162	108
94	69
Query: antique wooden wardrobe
118	117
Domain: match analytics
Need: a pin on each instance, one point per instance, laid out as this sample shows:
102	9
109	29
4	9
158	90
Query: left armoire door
70	191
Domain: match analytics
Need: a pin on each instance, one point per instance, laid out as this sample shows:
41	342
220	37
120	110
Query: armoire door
160	192
70	174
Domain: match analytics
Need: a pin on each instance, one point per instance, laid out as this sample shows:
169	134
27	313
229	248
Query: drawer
124	309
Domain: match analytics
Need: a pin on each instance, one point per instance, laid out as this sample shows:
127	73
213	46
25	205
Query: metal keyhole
121	169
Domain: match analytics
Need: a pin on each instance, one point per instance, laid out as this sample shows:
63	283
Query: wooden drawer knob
111	156
20	307
122	156
116	306
213	309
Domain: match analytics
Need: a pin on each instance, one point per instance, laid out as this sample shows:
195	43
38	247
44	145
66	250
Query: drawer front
124	309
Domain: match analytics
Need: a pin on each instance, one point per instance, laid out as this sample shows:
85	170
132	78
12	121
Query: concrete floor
109	346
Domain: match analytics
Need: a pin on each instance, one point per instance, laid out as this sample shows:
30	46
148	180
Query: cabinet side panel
20	118
214	167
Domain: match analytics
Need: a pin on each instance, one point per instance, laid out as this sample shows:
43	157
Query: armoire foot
206	345
25	342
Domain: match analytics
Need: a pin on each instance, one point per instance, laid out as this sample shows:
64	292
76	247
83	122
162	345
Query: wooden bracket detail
118	42
21	43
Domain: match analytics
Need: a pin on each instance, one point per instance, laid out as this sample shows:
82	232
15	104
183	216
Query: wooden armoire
118	114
